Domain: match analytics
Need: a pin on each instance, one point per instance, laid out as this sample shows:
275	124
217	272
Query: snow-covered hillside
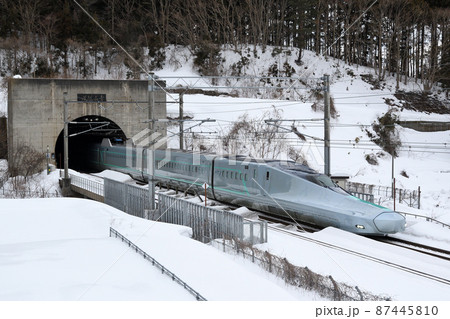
54	234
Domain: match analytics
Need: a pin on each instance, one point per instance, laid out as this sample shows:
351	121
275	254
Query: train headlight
360	226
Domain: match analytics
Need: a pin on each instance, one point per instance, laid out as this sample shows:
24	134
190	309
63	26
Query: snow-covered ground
59	249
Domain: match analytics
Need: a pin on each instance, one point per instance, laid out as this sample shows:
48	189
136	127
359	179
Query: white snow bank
59	249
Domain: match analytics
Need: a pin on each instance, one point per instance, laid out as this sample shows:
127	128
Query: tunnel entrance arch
85	131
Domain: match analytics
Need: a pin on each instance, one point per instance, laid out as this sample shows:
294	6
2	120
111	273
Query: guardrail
428	219
87	187
155	263
87	184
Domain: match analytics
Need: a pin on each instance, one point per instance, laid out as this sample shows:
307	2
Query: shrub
207	58
384	133
371	159
404	174
25	161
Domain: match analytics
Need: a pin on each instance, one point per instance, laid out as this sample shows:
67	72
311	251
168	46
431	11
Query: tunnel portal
83	131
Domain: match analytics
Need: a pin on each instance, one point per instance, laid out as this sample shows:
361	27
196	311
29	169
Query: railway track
421	248
422	274
424	249
286	225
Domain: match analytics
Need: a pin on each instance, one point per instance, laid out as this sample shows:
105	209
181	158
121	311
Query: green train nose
389	222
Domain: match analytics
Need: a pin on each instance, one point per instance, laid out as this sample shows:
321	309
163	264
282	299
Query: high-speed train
277	187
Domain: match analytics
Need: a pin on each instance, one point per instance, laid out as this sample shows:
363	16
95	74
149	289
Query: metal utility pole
181	122
66	138
48	160
66	179
327	124
151	126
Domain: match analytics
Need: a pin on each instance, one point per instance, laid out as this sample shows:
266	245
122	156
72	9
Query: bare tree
25	161
253	137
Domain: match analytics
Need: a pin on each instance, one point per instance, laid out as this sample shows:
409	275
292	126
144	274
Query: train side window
245	177
240	176
254	173
227	174
267	175
236	175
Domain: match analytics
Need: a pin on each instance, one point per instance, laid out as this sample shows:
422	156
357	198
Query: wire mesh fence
303	277
384	193
207	223
131	199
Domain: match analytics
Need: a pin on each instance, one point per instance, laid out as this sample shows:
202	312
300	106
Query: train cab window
267	175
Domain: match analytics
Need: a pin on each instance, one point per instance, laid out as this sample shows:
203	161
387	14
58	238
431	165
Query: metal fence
116	234
383	193
207	223
87	184
87	187
364	196
131	199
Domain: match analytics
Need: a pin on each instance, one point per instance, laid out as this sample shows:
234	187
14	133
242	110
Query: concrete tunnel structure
116	109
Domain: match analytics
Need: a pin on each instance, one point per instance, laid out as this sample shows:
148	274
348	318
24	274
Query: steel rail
365	256
421	248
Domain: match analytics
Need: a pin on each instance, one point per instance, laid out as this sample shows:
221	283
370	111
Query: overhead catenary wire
120	46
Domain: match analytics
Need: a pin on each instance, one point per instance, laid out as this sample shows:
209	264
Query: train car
277	187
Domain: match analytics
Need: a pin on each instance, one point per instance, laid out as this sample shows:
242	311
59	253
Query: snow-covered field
59	249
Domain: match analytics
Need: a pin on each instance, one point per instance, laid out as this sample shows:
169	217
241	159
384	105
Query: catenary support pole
181	122
151	159
327	124
66	179
66	138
